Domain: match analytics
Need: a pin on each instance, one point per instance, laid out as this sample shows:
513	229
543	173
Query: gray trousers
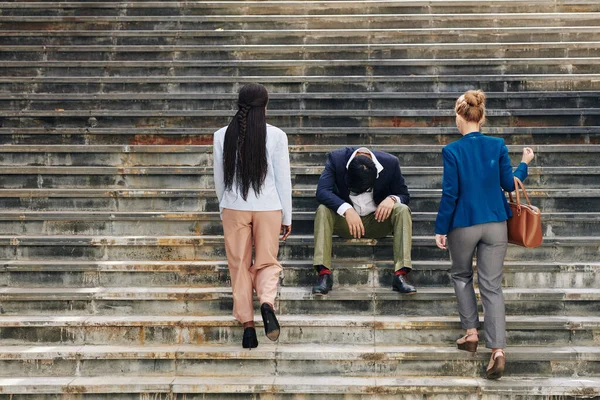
490	241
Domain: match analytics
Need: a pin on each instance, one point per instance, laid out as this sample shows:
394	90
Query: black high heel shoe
249	341
270	320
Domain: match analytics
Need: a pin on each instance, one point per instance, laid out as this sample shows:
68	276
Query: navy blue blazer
332	189
476	169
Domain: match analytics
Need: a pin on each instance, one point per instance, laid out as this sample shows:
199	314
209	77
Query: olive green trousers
399	224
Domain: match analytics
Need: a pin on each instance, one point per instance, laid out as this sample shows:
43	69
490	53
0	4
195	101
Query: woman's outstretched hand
285	231
440	241
527	155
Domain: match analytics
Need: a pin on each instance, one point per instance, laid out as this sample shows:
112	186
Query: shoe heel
497	370
471	347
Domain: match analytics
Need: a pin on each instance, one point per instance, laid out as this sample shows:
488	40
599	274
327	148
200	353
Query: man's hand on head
355	225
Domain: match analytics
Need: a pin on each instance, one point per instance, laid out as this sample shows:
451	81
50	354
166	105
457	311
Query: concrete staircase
113	280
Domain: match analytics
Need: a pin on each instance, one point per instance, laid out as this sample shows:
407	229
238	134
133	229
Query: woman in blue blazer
472	217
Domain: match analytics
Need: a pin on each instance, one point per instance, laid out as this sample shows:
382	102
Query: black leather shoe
249	341
400	285
270	321
324	284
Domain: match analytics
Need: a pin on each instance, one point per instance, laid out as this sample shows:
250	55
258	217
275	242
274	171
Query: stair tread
587	386
533	323
288	293
274	351
302	192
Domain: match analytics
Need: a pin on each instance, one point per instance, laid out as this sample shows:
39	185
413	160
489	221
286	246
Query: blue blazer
476	169
332	189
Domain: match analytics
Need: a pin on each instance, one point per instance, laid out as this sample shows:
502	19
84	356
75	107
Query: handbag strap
518	182
519	185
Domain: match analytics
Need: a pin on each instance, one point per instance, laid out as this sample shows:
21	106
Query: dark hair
245	147
361	175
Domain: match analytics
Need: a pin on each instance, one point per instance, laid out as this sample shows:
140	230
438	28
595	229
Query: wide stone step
209	223
112	387
200	156
299	84
195	247
315	20
354	273
325	102
297	329
248	8
301	36
428	302
295	101
303	51
290	360
303	177
204	200
297	136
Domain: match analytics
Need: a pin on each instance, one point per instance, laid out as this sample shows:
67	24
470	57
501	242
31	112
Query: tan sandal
468	345
496	366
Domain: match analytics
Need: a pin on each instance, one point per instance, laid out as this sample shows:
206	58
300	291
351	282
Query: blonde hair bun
475	98
471	105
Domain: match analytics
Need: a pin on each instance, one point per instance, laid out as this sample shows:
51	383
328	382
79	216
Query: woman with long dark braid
253	184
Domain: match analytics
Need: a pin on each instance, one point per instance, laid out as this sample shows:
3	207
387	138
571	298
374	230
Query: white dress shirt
363	203
276	192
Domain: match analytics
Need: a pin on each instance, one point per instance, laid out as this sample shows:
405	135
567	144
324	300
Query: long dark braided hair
245	147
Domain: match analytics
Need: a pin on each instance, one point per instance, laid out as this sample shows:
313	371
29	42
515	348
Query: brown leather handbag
525	225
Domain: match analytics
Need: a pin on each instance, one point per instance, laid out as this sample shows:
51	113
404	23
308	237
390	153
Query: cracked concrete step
301	83
310	101
289	360
427	302
112	387
298	329
297	136
65	273
303	51
209	223
201	200
293	101
312	21
73	8
185	177
299	36
322	113
162	155
196	247
315	67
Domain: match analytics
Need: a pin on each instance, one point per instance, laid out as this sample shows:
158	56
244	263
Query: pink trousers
241	228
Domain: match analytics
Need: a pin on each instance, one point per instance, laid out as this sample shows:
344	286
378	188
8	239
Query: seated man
362	194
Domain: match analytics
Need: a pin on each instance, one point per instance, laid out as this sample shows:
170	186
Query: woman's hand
440	241
285	231
527	155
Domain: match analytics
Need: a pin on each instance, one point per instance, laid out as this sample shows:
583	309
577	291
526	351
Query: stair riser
400	306
354	277
494	68
226	335
325	139
175	204
458	366
279	23
240	9
298	85
304	37
550	226
201	180
311	156
292	251
338	101
298	52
